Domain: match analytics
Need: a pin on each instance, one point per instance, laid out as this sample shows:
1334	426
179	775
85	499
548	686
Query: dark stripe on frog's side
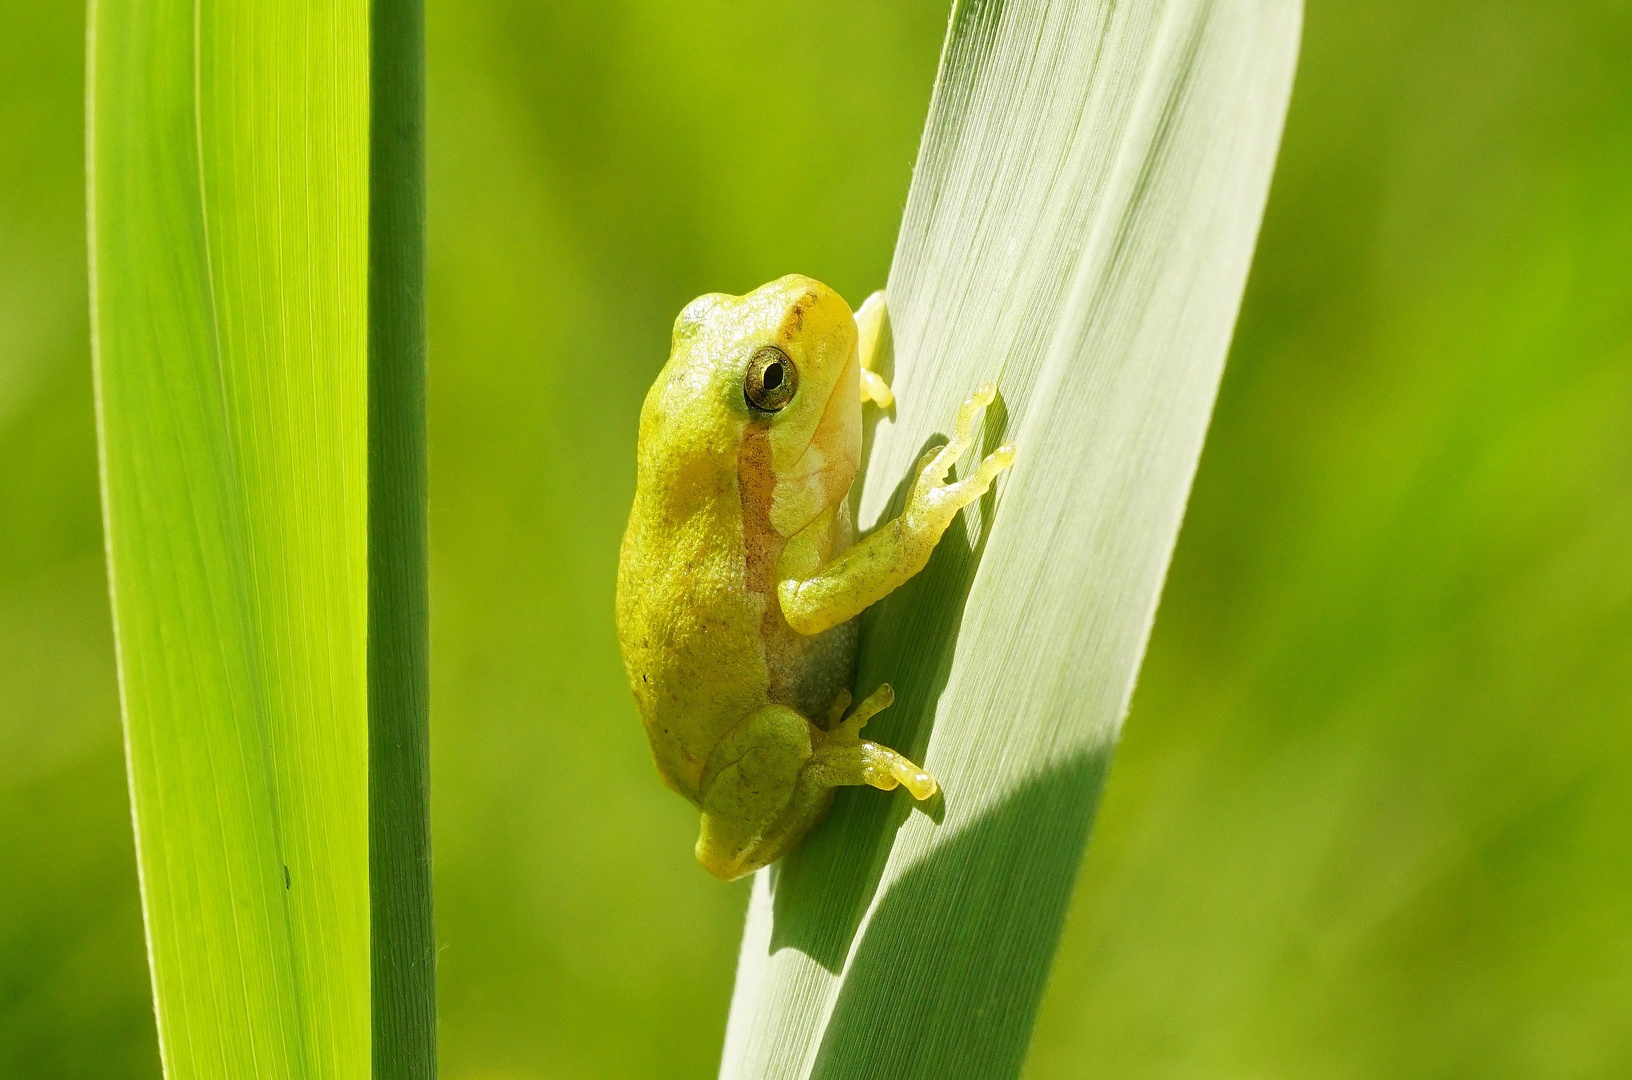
805	673
761	544
756	487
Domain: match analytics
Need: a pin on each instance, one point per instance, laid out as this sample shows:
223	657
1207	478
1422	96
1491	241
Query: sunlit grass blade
260	398
1080	225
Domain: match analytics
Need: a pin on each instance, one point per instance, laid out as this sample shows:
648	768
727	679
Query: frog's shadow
823	887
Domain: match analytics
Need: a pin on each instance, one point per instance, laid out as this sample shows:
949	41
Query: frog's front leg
874	568
772	777
869	338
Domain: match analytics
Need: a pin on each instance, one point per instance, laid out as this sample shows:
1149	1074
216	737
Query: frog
740	578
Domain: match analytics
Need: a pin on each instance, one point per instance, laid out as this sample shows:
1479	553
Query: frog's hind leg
772	777
845	759
747	787
840	759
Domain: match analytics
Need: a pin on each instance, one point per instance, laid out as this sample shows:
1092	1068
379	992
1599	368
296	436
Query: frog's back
687	627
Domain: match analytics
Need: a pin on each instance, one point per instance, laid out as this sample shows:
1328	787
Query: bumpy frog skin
738	583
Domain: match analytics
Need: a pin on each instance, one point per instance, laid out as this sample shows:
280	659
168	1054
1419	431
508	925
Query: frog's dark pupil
773	376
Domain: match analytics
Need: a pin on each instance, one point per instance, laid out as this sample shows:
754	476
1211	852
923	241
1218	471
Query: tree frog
738	579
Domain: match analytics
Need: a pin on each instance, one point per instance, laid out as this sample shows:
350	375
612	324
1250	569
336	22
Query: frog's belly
807	673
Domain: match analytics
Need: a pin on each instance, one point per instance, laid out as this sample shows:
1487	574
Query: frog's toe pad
885	769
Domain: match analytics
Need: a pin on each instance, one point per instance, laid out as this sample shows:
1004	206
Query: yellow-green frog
738	583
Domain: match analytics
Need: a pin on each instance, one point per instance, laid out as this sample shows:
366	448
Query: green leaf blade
1079	229
229	199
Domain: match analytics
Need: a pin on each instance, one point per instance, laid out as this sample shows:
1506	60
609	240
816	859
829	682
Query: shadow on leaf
822	888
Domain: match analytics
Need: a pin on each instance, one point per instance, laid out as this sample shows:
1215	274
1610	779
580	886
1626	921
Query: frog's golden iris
771	380
738	581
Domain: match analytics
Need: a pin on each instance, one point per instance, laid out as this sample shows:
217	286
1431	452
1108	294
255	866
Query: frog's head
775	375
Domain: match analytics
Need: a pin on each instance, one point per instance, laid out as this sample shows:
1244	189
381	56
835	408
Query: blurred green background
1373	812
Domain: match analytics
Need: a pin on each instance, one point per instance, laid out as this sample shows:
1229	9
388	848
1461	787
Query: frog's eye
771	380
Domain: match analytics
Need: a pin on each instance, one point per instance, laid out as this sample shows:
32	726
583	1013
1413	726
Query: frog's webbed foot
845	759
934	502
869	336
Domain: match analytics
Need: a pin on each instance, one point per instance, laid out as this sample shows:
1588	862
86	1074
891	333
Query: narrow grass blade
1079	229
260	400
403	942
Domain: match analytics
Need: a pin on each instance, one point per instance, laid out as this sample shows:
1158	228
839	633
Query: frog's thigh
748	782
